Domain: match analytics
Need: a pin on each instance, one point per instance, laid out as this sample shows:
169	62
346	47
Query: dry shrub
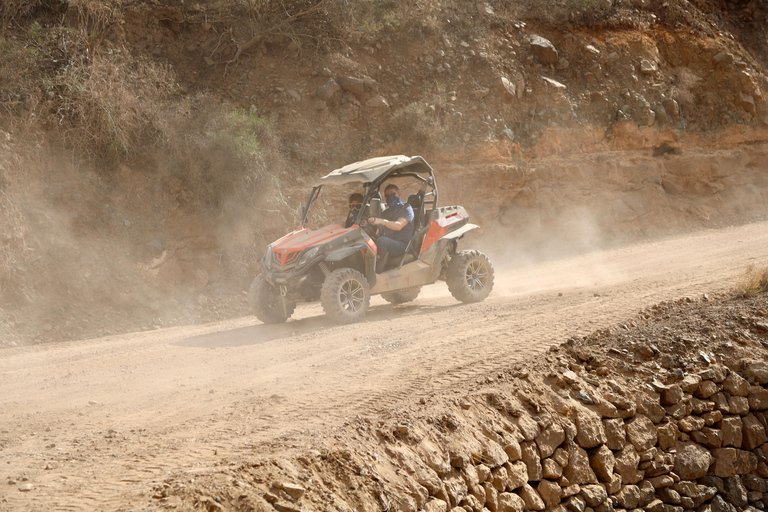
753	281
14	11
111	104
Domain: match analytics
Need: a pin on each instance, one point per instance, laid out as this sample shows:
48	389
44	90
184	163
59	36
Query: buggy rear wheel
266	302
470	276
345	296
402	296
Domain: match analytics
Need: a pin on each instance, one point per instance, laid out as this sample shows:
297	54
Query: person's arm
394	225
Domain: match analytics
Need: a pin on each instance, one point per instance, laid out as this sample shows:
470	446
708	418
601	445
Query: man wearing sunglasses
395	226
355	205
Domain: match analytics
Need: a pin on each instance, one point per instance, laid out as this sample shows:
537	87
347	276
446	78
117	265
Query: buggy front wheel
345	296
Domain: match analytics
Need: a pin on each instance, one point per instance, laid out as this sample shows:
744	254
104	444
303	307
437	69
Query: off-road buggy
337	265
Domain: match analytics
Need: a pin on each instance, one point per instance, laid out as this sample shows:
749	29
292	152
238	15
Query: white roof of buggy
370	170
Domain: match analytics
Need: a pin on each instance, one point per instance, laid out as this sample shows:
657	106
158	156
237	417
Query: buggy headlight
308	255
266	261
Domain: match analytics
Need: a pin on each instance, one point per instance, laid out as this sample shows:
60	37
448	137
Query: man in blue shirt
396	227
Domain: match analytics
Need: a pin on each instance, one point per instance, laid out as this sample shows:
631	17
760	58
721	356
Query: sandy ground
95	424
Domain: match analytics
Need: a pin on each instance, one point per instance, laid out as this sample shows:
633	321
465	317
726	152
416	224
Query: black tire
470	276
402	296
345	296
267	304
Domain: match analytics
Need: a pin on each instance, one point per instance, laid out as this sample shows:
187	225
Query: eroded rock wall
599	197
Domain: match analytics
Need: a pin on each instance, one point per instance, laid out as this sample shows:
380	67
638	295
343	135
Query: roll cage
372	174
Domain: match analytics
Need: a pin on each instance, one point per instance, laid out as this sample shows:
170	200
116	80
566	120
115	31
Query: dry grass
753	281
109	105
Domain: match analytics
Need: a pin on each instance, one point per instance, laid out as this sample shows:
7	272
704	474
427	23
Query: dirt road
94	424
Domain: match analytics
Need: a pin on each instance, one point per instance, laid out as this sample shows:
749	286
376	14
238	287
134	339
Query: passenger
355	205
395	226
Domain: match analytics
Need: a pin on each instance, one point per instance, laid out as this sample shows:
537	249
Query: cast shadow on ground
262	333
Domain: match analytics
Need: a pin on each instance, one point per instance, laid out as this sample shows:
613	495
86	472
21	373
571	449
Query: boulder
736	385
667	435
746	101
428	478
510	502
753	432
543	50
550	439
602	461
615	435
593	495
690	383
738	405
614	485
491	497
589	430
756	371
758	398
576	504
550	492
691	423
513	450
507	88
724	58
436	505
434	456
706	389
668	495
732	461
670	395
350	84
530	456
718	504
731	428
493	454
551	469
578	470
561	456
328	91
626	464
735	492
755	483
517	474
691	461
641	432
648	67
531	498
377	104
701	406
499	478
651	408
528	427
628	497
709	437
661	481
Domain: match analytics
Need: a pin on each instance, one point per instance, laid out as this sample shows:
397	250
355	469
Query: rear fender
463	230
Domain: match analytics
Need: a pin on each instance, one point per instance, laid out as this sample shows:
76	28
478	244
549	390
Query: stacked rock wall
696	443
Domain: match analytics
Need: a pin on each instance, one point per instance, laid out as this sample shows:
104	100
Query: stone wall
698	443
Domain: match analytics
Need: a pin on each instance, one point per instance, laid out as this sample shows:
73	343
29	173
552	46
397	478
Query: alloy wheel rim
352	295
477	275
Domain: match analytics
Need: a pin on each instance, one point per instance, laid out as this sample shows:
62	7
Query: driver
355	205
396	227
